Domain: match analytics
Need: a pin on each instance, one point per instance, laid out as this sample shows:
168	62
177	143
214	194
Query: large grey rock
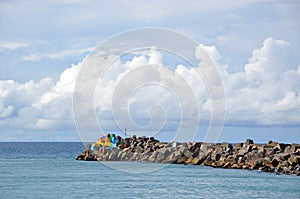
215	156
242	151
257	164
144	157
177	154
188	154
138	149
160	157
165	151
283	156
231	160
207	147
172	144
151	158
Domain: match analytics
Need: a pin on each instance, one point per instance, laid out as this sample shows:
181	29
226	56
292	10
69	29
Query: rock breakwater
271	157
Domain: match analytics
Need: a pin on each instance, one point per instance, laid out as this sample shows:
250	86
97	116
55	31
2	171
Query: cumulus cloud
267	80
265	92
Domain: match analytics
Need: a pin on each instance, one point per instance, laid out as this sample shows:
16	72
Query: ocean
49	170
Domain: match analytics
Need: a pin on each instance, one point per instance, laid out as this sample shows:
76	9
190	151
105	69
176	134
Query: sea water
49	170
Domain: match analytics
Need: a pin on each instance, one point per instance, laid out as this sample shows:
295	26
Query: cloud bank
265	93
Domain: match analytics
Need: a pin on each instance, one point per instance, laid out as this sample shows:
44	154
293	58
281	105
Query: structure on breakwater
271	157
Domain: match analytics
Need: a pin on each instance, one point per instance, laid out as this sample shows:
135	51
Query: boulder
215	156
181	160
202	155
126	150
138	149
242	151
135	156
295	148
218	148
123	156
260	155
171	158
248	142
191	145
257	163
220	163
181	149
165	151
133	137
226	146
227	165
151	158
177	154
294	160
249	157
148	150
239	159
270	144
288	149
207	147
172	144
238	145
275	162
196	161
160	144
235	166
160	157
188	154
189	160
283	156
253	147
88	156
144	158
194	147
208	162
281	146
231	160
88	147
112	157
267	163
119	155
223	157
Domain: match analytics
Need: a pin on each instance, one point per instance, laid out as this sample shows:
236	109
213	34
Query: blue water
49	170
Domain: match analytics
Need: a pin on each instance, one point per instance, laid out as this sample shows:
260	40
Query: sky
254	45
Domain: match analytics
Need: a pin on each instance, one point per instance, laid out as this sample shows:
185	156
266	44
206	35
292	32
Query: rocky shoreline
271	157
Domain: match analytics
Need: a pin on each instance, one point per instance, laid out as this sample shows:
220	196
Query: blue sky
255	45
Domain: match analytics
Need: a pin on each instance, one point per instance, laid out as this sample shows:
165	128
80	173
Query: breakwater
271	157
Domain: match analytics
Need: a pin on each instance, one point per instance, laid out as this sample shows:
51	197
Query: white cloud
266	92
12	45
56	55
5	111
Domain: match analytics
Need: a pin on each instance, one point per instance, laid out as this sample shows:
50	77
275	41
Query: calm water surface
49	170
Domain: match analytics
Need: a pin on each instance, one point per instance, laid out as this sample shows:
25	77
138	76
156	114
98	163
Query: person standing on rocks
107	141
113	140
